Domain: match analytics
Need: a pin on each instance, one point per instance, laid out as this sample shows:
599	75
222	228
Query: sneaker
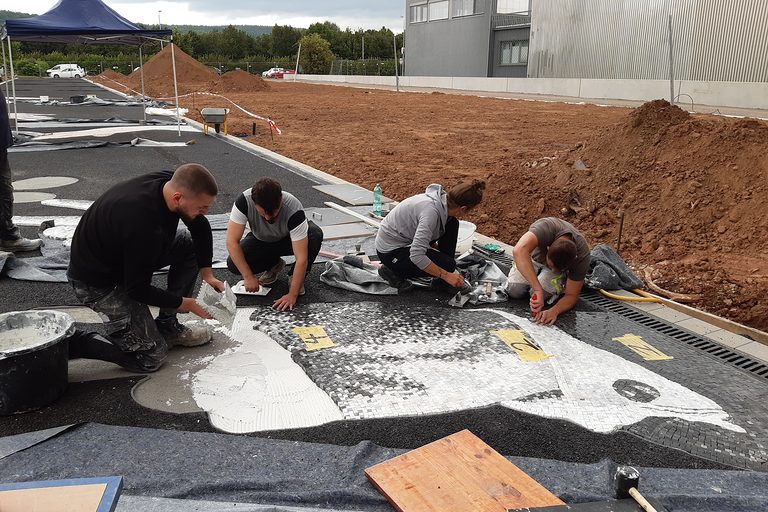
394	280
177	334
20	245
270	276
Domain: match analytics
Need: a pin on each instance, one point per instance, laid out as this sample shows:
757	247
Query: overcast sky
353	14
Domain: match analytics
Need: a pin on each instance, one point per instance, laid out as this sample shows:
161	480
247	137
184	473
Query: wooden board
79	495
457	473
628	505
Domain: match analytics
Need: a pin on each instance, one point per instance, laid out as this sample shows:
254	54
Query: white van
66	71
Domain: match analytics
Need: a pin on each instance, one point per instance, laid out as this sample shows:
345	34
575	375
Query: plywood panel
75	498
457	473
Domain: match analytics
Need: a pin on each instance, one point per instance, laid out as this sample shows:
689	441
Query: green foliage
13	15
30	67
316	55
285	40
235	46
252	30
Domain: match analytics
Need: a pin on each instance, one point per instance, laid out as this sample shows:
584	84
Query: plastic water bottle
377	200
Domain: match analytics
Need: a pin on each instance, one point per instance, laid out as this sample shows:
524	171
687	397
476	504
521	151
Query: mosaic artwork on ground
376	360
345	361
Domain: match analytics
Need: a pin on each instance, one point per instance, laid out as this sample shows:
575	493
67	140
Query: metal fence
369	67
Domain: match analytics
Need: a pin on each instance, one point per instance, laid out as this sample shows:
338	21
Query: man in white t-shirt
278	227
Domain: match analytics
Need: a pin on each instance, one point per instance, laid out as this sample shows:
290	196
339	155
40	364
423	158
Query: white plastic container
466	236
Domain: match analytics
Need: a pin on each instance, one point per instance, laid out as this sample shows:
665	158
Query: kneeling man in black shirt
130	232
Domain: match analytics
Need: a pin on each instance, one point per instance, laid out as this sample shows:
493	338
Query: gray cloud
325	9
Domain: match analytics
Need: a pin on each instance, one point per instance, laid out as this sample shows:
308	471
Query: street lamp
161	27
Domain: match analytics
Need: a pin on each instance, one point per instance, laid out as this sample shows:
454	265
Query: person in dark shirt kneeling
128	233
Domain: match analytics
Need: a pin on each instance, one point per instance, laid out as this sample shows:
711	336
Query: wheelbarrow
214	116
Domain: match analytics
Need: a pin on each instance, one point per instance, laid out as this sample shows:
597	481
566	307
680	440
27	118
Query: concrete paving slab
328	217
648	307
356	230
351	194
755	349
670	315
698	326
729	339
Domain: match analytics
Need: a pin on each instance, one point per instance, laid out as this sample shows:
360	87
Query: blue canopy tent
80	21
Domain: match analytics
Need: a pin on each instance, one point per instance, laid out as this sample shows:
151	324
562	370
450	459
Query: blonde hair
467	193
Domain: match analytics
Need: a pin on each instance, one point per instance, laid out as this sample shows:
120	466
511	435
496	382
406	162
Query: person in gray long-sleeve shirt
418	237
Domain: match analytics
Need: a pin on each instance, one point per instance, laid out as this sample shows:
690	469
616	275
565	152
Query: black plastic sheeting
226	468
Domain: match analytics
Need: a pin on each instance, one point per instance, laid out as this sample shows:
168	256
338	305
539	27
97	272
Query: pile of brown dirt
239	81
191	75
693	192
112	75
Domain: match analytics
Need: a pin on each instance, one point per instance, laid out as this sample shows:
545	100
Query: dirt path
692	188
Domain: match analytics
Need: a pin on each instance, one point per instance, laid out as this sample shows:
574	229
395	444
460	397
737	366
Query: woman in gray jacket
418	237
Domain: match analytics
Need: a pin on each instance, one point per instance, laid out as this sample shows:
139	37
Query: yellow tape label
522	345
314	337
642	348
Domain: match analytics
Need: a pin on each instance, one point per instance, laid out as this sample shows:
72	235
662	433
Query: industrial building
704	40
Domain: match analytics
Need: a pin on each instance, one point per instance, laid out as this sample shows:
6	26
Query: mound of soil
239	81
112	75
191	75
692	189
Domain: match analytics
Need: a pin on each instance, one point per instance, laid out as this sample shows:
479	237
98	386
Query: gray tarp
609	272
237	469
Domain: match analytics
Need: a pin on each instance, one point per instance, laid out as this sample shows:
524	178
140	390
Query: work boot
395	281
177	334
270	276
20	245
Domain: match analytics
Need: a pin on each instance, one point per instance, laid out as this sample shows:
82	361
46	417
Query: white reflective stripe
237	216
300	232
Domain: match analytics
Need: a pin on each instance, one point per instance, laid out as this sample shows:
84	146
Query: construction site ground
691	186
526	151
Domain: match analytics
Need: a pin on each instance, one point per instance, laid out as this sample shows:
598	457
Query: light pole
161	27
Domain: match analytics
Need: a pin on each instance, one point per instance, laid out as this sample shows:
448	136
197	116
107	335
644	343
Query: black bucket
76	99
34	354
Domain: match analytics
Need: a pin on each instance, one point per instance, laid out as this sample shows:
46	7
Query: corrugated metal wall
713	40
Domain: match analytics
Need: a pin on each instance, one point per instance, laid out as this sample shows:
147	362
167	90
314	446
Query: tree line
232	47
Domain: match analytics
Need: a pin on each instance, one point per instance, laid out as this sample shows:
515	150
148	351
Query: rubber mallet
626	480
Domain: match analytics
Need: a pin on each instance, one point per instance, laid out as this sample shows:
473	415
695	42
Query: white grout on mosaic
425	367
256	386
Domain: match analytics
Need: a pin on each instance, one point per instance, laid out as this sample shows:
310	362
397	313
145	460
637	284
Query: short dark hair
562	253
467	193
267	193
195	179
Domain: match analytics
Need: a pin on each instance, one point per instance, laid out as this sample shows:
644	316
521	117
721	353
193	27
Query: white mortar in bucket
27	331
33	359
466	235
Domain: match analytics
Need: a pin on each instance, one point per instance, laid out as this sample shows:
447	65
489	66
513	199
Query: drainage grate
736	359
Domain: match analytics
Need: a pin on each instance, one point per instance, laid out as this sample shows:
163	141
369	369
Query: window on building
513	52
466	7
418	13
438	10
510	6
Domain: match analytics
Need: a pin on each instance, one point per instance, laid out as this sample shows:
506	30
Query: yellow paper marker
522	345
641	347
314	337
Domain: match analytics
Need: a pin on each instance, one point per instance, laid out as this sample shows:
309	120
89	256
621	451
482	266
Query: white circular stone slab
60	232
31	197
43	182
